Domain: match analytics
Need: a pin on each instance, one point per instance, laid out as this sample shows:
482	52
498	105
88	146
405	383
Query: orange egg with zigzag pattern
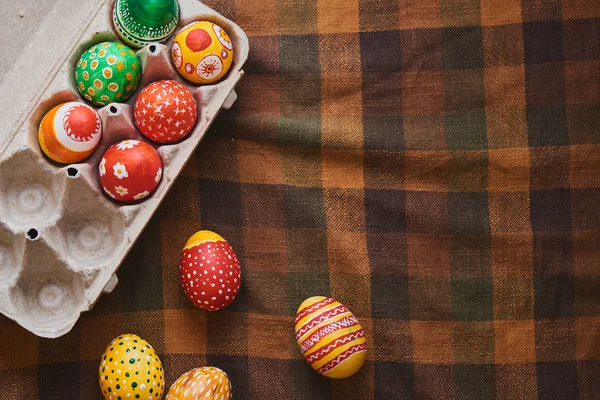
70	132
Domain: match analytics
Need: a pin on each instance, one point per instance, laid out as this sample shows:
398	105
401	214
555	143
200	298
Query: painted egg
130	170
202	52
209	271
330	337
70	132
108	72
130	369
165	111
139	22
206	383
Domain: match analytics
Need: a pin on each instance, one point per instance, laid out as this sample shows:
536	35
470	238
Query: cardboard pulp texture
61	238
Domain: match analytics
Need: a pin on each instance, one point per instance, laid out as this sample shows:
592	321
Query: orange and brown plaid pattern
434	165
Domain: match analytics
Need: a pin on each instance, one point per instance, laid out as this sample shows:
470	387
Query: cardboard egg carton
61	238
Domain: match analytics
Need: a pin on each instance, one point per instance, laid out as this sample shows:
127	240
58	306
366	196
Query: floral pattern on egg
107	72
130	170
202	52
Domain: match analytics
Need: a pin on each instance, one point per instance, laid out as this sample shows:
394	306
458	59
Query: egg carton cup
61	238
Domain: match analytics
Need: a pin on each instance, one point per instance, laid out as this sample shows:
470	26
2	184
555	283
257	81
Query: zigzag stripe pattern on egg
330	337
70	132
139	22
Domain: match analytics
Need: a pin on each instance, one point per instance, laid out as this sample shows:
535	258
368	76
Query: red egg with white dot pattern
165	111
209	271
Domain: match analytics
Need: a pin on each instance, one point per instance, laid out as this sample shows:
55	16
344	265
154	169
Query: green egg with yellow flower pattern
107	72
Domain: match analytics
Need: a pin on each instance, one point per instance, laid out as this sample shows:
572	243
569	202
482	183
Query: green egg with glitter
139	22
107	72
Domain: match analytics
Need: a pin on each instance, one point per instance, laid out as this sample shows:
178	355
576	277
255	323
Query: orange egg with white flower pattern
206	383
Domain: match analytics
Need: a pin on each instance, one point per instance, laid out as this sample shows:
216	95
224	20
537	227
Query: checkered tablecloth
432	164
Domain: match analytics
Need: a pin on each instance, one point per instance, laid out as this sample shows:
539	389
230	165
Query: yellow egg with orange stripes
70	132
330	337
131	369
206	383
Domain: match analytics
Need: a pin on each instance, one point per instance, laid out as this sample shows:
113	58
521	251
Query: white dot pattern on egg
210	271
205	383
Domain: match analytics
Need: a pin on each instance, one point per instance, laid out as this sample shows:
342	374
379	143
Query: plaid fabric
432	164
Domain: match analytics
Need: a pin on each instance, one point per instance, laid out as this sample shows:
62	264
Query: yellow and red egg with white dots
210	271
205	383
131	369
202	52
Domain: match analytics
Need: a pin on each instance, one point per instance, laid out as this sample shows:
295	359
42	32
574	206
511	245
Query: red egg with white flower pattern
209	271
130	171
165	111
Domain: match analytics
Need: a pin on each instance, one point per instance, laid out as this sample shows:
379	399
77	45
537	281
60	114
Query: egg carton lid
30	60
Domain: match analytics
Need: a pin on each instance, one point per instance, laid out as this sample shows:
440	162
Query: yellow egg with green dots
131	369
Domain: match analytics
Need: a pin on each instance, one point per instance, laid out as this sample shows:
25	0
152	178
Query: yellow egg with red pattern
202	52
131	369
330	337
206	383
